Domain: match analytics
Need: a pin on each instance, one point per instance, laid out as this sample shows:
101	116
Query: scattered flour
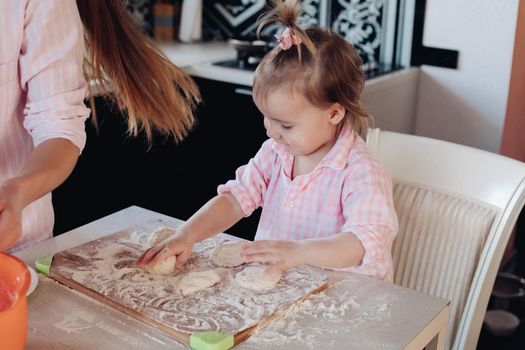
334	308
103	317
78	321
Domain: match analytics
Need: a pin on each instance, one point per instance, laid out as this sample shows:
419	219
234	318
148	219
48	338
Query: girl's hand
10	214
282	254
180	246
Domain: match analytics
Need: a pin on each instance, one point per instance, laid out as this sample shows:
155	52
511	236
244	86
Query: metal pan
256	46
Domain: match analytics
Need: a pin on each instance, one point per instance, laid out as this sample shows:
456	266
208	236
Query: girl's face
304	129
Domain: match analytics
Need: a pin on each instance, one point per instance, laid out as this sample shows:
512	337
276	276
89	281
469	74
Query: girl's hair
130	68
324	68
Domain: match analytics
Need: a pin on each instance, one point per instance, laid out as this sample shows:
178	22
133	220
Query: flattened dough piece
161	235
163	267
195	281
227	254
255	278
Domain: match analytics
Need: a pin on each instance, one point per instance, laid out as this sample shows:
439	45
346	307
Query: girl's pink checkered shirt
348	191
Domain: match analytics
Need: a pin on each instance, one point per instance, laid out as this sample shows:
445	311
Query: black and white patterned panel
141	13
223	19
359	21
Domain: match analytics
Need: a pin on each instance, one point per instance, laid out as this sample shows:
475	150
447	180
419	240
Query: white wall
467	105
390	99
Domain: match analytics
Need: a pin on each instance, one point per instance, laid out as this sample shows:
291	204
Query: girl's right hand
180	246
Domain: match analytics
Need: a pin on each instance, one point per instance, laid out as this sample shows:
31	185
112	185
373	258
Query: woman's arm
217	215
341	250
47	167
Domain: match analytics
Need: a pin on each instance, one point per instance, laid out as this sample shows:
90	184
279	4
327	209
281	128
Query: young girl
326	200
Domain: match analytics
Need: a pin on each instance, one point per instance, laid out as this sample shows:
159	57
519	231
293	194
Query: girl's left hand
282	254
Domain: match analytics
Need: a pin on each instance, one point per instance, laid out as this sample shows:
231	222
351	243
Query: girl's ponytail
287	12
155	93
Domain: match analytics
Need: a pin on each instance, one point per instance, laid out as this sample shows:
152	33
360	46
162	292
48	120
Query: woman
42	88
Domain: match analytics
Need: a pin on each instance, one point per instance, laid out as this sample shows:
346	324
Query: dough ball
256	278
163	267
194	281
227	254
161	235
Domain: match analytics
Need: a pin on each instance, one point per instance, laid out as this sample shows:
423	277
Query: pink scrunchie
287	39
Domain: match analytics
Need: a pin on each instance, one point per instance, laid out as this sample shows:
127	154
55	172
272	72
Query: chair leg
520	244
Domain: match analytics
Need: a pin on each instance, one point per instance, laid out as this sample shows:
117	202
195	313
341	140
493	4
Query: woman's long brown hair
129	67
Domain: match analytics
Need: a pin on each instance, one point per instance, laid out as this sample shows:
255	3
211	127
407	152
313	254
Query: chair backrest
457	207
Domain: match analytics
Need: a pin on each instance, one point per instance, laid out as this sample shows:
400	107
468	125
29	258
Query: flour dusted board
105	269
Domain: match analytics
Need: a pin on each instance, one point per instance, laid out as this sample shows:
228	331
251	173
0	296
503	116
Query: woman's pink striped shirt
348	191
42	89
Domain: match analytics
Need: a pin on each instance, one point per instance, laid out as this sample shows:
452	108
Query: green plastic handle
43	264
211	341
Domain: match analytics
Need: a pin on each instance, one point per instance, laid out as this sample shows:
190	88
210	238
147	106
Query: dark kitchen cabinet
116	170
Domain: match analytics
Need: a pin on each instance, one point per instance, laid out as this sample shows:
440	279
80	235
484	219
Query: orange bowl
14	281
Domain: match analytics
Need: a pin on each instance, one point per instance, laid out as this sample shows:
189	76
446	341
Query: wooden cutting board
105	270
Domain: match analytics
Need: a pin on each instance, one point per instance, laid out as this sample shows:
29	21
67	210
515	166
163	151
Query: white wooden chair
456	206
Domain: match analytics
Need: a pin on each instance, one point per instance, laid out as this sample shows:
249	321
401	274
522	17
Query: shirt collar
337	157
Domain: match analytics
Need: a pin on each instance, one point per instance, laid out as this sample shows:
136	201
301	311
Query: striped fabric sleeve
370	215
50	65
251	180
377	259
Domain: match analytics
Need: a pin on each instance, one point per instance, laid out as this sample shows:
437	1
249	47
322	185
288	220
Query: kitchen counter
356	312
197	60
389	97
187	55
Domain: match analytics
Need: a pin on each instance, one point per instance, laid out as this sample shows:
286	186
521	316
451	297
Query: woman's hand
282	254
180	246
10	214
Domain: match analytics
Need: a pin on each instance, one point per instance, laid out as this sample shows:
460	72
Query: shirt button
291	204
